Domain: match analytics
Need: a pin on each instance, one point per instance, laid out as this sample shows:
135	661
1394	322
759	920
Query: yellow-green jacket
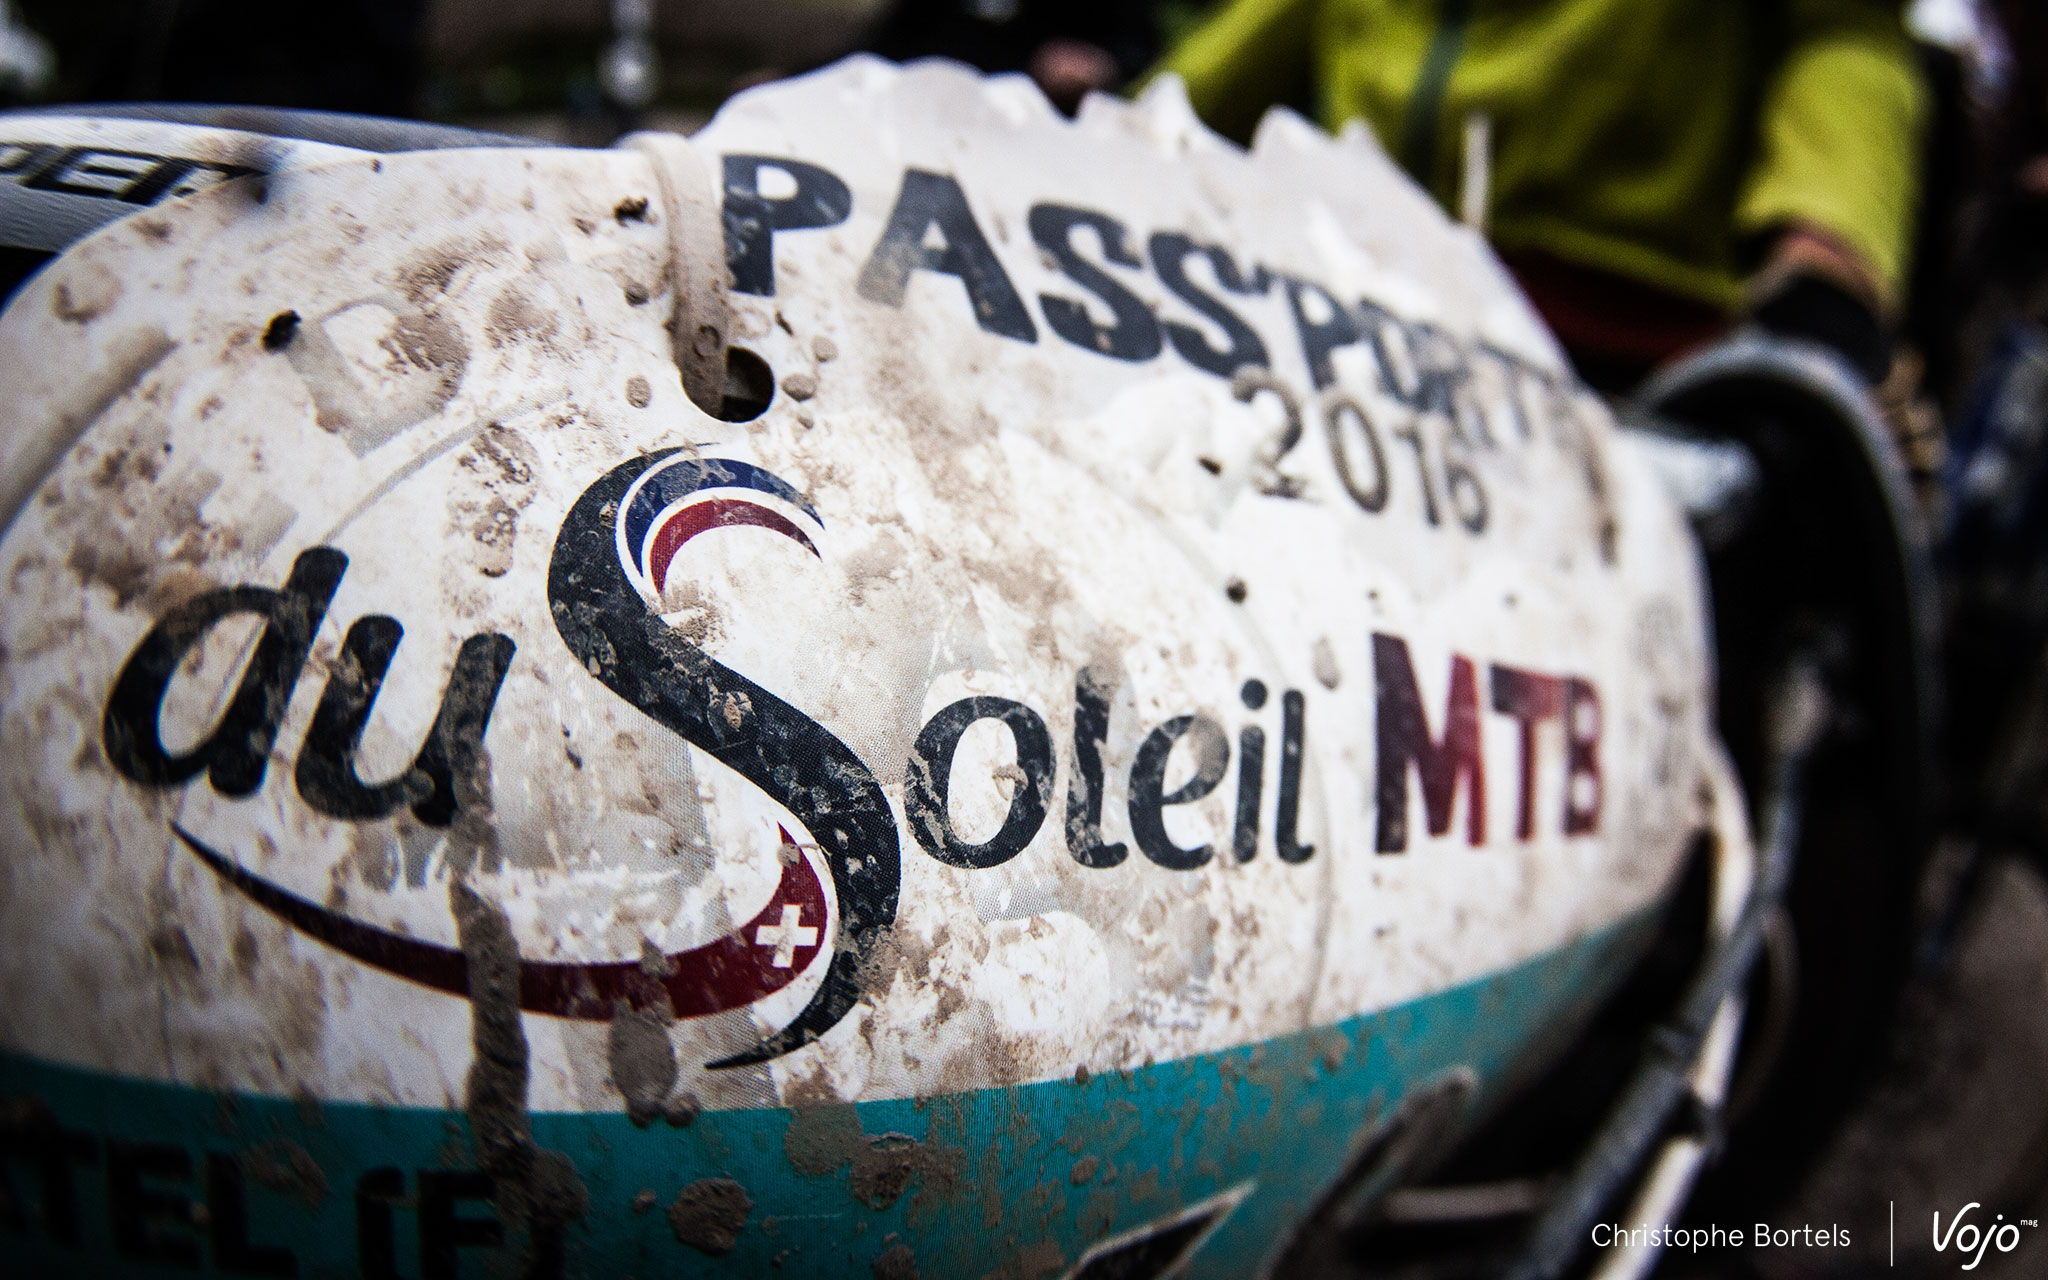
1655	138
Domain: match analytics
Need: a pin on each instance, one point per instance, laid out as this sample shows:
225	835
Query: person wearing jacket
1650	170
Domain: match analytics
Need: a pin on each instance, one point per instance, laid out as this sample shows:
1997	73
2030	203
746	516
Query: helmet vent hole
749	386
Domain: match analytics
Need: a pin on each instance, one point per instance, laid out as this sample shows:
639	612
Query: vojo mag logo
611	559
1972	1240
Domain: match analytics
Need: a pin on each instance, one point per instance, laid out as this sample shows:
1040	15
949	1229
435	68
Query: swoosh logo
762	956
716	513
612	554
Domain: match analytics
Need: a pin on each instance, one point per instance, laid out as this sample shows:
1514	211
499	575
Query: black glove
1809	307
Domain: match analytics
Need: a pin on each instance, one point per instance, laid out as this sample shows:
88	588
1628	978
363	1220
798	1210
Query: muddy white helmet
902	686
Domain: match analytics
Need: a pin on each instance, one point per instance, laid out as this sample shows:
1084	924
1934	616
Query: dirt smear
537	1188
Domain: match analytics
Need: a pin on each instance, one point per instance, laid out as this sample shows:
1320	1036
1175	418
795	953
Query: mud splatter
374	858
501	458
515	317
127	358
1034	1262
682	1110
896	1262
432	273
86	295
537	1187
498	482
422	356
248	956
885	1170
643	1060
278	334
709	1214
495	531
173	949
1323	661
822	1140
431	344
129	566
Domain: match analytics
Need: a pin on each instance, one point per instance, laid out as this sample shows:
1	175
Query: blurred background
1871	177
566	70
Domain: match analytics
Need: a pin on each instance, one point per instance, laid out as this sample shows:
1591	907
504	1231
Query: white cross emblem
786	937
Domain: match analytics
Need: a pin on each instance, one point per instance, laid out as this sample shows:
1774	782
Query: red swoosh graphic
718	513
733	971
